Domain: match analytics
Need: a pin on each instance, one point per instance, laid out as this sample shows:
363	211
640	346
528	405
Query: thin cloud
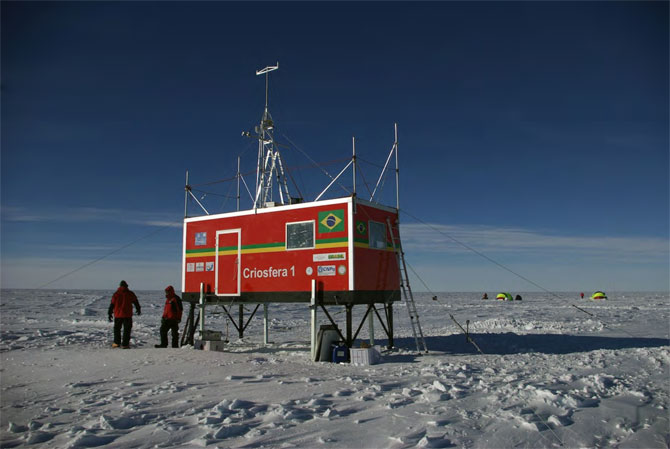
33	272
436	238
77	248
91	214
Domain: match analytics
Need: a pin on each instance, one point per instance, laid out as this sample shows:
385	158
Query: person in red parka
121	312
171	318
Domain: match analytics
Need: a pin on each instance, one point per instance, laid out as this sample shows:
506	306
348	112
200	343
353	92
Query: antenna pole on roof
186	189
238	183
397	170
353	158
265	72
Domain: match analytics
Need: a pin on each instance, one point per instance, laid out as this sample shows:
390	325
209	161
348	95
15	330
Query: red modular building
332	252
272	254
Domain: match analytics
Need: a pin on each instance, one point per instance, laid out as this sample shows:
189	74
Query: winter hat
123	284
169	290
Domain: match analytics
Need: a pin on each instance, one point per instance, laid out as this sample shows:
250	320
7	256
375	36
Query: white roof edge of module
268	210
377	206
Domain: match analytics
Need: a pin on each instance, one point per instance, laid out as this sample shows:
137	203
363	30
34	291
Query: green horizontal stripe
335	240
203	250
230	248
262	245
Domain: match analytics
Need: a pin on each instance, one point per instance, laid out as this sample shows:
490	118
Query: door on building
228	253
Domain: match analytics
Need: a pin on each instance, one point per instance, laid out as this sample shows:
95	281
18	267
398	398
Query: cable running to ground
495	262
315	163
87	264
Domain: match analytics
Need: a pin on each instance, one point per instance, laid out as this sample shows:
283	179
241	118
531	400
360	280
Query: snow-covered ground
550	376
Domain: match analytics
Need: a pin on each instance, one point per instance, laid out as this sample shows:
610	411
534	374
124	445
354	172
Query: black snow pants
127	324
169	325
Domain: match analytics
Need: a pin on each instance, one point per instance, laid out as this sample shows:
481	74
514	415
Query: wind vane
265	71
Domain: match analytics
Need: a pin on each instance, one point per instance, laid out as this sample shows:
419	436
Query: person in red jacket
121	312
171	318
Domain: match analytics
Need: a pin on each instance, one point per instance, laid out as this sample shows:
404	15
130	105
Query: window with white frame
377	235
300	235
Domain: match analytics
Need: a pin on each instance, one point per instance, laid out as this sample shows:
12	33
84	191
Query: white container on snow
365	356
209	345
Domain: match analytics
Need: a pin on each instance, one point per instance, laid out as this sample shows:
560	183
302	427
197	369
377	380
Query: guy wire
479	253
87	264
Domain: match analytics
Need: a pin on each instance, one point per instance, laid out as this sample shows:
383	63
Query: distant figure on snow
485	296
171	318
121	312
517	298
582	295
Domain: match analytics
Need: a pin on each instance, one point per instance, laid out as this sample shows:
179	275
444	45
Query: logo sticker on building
200	266
190	267
328	257
200	238
331	221
209	266
326	270
342	269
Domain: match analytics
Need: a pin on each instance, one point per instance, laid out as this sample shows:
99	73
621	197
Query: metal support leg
231	319
265	325
371	329
202	309
349	342
389	320
241	326
368	312
312	306
332	321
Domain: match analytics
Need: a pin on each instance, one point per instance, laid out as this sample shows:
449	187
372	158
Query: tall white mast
270	165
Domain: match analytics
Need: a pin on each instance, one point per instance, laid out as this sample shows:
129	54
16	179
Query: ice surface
550	376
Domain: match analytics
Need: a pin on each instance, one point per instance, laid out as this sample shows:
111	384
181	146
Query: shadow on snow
511	343
499	344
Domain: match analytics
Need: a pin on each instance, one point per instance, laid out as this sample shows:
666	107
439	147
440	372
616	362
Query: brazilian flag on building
361	228
331	221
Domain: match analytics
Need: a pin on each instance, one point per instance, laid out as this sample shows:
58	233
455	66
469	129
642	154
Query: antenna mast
270	165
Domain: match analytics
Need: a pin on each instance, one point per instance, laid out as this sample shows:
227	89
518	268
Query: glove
110	318
139	312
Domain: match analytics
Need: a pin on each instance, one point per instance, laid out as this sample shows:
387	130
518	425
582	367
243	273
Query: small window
300	235
377	235
200	238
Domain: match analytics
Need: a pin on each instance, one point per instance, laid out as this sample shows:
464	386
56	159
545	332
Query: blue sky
534	132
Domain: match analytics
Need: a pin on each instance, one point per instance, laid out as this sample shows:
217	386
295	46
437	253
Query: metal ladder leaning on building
405	287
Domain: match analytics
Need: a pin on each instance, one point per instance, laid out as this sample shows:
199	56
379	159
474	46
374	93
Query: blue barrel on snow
340	353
